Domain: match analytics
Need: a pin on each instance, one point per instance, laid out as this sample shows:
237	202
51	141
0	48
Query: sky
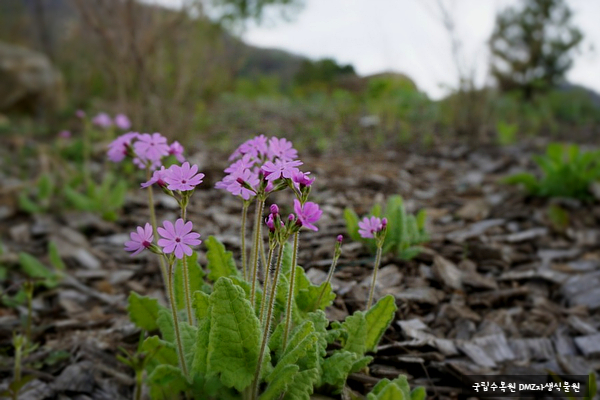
408	36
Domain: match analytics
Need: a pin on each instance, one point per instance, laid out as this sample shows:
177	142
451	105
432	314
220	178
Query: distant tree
325	72
532	46
234	12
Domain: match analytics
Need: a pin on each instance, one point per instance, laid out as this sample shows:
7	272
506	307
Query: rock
36	390
526	235
420	295
474	210
589	345
447	273
86	259
28	81
474	230
20	233
77	378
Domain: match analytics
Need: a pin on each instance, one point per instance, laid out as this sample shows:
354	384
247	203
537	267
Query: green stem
267	326
327	281
163	267
29	291
288	313
186	274
176	323
260	204
243	236
267	282
138	384
377	262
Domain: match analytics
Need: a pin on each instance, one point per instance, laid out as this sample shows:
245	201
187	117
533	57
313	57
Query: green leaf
44	187
527	180
200	304
280	382
302	340
195	277
144	311
337	368
378	319
78	200
307	294
356	330
166	382
352	224
35	269
165	325
55	258
201	349
29	206
418	393
220	262
235	335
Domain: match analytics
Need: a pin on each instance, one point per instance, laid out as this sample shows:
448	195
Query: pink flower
64	134
117	149
178	239
102	120
256	147
80	114
368	227
151	148
140	240
282	149
308	214
176	149
302	179
280	169
246	162
158	177
122	122
183	178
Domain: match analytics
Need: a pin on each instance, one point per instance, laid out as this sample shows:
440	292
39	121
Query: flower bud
274	209
384	223
339	238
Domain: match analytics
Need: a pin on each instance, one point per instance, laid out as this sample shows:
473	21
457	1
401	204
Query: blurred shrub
566	172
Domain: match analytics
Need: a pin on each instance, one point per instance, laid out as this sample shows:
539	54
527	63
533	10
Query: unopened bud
384	223
339	238
274	209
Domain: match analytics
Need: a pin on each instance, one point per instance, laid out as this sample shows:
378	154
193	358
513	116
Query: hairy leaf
235	335
355	327
280	382
143	311
378	319
220	262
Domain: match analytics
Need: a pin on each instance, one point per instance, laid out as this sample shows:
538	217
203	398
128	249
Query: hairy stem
176	323
163	267
243	236
186	275
86	157
138	384
327	281
267	327
288	313
267	282
260	204
375	268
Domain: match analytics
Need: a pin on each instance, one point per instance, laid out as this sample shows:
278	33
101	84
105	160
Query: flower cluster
258	165
147	150
104	121
175	239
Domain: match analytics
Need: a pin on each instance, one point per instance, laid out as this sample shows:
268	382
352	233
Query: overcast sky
407	36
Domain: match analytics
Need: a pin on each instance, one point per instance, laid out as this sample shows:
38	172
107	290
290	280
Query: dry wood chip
589	345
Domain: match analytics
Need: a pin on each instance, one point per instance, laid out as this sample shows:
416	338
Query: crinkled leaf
307	294
378	319
143	311
220	262
280	382
200	304
303	339
235	335
355	327
200	363
166	382
165	324
337	368
352	224
161	351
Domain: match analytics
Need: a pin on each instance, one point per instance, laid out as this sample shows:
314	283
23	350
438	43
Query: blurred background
349	74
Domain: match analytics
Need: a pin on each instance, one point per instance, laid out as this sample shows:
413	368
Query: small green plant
507	133
22	348
39	197
105	198
566	172
405	232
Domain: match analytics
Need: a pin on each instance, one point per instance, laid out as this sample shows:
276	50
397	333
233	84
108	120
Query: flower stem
288	314
260	204
267	326
267	282
176	323
243	236
86	156
376	267
327	281
163	267
186	275
138	384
